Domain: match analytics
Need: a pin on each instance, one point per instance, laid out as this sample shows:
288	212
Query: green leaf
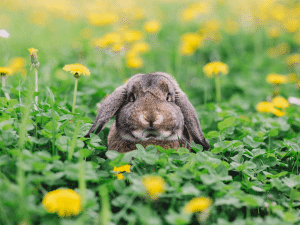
277	175
273	132
112	154
63	143
212	134
291	144
258	189
3	102
228	122
295	195
217	150
84	153
249	140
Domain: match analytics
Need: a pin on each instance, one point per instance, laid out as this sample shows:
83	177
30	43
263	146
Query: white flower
4	33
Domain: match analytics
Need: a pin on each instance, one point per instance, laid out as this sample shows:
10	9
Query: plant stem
105	206
82	184
276	90
36	87
73	142
74	97
218	88
3	85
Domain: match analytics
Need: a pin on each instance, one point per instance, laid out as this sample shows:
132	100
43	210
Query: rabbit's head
150	106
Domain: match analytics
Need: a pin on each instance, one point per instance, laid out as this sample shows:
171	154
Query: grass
251	172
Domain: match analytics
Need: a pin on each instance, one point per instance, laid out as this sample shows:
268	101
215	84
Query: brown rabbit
150	109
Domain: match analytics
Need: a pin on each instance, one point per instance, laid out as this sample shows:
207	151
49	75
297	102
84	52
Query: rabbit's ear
191	120
108	109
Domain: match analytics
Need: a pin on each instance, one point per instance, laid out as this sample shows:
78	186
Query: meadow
51	174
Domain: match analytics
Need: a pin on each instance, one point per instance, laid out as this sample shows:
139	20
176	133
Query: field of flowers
238	63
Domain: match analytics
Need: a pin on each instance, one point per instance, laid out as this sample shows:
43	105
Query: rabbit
150	109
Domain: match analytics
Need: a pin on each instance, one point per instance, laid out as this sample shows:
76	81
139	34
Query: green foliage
251	172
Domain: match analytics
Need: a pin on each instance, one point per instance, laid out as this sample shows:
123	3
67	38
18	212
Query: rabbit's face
149	111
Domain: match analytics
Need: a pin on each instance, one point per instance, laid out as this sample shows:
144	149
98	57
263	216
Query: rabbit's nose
152	119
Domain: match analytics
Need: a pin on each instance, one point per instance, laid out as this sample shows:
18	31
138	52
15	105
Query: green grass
251	172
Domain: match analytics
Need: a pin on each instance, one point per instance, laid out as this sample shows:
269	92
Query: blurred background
117	39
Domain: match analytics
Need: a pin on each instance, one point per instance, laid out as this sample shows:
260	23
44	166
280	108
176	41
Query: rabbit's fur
150	109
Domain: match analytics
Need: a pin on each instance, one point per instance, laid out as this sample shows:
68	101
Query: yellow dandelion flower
186	49
134	62
197	205
194	10
192	39
213	25
124	168
65	202
231	26
140	47
100	42
273	31
152	26
17	64
5	71
277	112
132	35
292	60
77	69
276	78
215	68
113	38
33	52
292	77
154	185
102	19
117	47
265	107
292	25
280	102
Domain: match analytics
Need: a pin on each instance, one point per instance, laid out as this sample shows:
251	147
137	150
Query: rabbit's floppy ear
108	109
191	120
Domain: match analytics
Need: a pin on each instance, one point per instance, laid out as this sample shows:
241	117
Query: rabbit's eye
169	97
131	97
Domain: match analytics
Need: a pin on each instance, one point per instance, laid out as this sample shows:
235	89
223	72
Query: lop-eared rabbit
150	109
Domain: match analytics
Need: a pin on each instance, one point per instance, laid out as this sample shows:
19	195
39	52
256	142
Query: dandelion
265	107
292	77
5	71
280	102
152	26
65	202
276	80
134	62
17	65
102	19
154	185
198	204
292	60
132	35
140	47
273	31
77	70
268	107
216	69
189	43
124	168
34	64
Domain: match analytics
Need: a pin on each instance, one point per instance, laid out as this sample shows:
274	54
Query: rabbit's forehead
149	82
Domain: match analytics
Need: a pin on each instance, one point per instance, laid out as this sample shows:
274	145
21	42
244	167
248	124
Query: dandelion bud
33	57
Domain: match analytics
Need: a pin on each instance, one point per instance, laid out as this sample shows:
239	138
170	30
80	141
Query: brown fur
150	109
